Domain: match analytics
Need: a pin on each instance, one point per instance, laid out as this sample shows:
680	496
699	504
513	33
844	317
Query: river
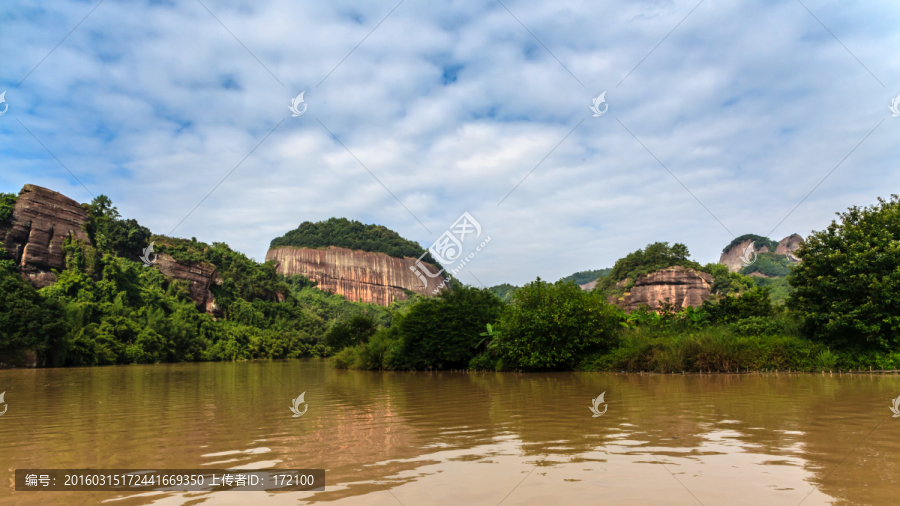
460	438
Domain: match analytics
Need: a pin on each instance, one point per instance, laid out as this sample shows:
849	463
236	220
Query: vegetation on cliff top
652	258
106	309
758	242
843	315
345	233
582	277
7	204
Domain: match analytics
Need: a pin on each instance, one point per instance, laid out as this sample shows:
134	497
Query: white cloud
450	105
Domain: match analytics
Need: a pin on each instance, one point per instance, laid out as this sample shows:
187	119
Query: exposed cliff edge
731	257
357	275
789	245
42	220
681	286
199	275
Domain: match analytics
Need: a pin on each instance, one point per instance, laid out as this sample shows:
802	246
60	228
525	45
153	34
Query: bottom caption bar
169	480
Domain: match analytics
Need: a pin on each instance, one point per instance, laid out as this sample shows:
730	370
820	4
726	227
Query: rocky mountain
357	275
731	256
679	285
42	220
788	246
200	276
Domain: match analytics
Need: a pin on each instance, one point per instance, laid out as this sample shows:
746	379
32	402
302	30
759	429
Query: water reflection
463	438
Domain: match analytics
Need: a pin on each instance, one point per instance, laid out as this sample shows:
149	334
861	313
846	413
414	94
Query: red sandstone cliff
787	246
680	286
199	275
373	277
42	220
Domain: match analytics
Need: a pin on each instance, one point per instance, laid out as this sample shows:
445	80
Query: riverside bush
846	286
549	326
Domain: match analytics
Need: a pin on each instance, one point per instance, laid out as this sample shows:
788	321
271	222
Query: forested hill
350	234
580	278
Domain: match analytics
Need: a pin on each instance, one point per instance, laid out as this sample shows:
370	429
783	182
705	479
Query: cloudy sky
722	117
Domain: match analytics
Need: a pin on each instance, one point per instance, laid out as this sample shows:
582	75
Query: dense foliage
7	203
504	291
582	277
550	326
848	283
440	332
654	257
107	308
769	265
27	321
759	242
111	233
843	310
354	235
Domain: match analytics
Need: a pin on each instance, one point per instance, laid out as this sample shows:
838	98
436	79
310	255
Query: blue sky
447	106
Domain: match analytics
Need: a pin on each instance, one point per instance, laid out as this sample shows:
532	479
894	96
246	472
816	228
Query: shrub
548	326
847	283
757	326
352	332
444	331
728	309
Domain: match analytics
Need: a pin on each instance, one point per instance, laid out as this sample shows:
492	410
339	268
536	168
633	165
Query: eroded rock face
42	220
589	286
357	275
732	257
789	245
200	276
681	286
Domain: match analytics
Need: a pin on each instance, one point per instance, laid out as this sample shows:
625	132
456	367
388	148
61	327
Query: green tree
444	331
847	286
755	302
352	332
27	322
551	326
652	258
109	232
7	205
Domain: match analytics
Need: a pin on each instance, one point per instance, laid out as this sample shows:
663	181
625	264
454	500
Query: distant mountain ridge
583	277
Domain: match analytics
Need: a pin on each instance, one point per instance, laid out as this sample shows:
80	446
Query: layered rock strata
679	286
42	220
200	276
357	275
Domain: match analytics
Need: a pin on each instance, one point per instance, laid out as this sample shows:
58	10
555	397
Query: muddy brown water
446	438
